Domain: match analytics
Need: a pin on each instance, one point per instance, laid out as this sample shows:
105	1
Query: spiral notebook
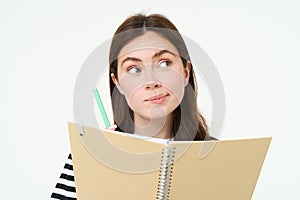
112	165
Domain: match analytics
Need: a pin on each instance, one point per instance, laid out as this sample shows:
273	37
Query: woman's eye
164	64
134	70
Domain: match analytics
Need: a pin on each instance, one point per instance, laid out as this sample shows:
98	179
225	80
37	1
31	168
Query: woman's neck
157	128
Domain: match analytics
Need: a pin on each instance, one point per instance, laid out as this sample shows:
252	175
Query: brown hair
188	123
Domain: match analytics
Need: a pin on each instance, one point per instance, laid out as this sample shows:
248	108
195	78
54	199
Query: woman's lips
157	99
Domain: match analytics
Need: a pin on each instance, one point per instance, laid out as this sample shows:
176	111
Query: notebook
113	165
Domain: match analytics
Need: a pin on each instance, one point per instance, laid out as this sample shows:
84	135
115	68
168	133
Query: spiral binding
165	173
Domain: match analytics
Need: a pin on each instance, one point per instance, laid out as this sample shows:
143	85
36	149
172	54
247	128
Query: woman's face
151	76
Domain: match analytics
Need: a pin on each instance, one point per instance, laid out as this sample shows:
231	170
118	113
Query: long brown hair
188	123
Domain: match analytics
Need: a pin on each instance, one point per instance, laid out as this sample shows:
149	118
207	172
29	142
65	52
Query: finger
112	127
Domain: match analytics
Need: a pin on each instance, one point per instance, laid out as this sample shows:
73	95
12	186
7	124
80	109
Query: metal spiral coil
165	173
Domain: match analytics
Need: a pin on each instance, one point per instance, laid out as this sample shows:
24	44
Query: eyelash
133	67
165	61
138	68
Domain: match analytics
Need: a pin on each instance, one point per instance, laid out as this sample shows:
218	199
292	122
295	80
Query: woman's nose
152	85
151	79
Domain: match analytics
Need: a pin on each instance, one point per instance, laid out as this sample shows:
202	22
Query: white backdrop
254	45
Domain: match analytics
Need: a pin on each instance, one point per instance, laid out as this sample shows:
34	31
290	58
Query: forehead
149	40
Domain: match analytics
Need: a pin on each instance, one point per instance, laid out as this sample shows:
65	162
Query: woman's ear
187	70
116	82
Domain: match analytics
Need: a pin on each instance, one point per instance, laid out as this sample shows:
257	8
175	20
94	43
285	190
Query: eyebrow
161	52
131	59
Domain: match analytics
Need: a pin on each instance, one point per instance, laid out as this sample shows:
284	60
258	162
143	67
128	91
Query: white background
254	45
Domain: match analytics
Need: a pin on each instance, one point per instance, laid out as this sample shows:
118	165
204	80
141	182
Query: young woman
152	87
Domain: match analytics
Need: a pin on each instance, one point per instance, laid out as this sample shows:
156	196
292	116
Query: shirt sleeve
65	187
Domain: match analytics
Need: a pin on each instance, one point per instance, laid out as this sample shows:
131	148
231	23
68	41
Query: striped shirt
65	187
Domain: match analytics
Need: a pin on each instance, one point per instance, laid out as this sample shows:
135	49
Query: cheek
131	86
174	82
135	100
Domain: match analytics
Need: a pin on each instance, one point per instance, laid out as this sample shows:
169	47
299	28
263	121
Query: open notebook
112	165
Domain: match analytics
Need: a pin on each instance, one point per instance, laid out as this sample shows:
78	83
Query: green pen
101	108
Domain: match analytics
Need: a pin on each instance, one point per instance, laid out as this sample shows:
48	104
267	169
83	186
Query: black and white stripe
65	187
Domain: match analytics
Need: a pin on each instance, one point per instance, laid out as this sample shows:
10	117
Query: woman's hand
112	127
